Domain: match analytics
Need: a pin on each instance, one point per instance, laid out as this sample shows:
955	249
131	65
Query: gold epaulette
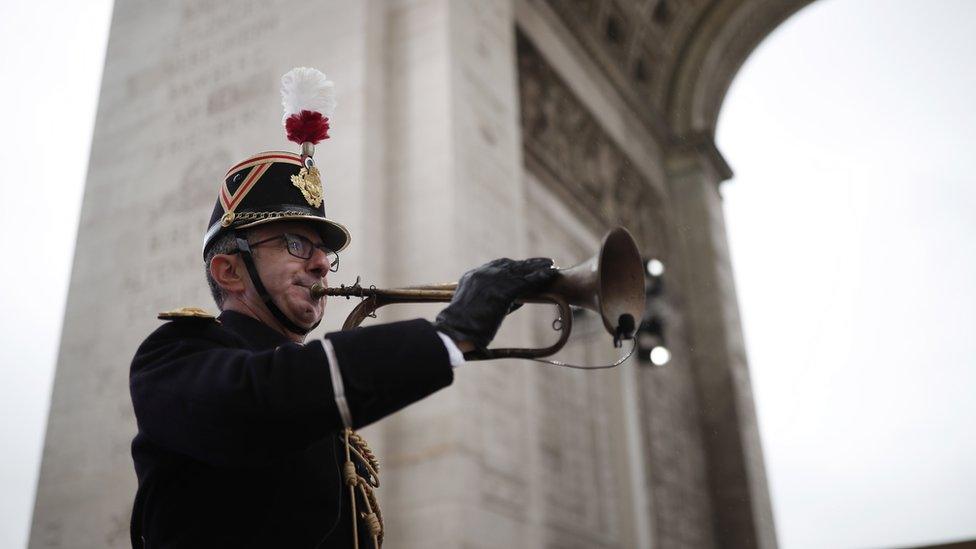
187	313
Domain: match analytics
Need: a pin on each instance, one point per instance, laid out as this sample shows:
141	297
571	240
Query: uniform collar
257	334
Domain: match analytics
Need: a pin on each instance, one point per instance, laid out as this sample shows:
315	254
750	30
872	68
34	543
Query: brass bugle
610	283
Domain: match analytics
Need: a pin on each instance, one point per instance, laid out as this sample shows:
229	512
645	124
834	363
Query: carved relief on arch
577	160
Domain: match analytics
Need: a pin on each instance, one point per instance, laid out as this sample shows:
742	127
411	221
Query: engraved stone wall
581	449
635	43
568	152
189	88
696	48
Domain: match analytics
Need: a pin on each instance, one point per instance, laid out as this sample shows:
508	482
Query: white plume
305	89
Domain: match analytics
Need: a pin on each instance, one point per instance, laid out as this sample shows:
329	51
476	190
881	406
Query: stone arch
665	66
724	37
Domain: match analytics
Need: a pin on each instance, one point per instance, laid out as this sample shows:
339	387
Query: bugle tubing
611	283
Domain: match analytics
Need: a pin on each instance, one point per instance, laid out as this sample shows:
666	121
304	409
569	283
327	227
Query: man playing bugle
246	431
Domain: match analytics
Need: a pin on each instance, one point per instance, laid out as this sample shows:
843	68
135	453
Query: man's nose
319	263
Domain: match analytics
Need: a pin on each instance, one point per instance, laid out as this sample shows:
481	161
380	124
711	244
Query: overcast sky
852	221
51	55
851	132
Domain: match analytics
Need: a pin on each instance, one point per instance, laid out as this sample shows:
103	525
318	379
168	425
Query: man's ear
228	273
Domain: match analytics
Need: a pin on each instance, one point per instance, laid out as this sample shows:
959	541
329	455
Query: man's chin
306	318
303	313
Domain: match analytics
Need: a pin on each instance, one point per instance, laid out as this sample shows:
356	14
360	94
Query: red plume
307	126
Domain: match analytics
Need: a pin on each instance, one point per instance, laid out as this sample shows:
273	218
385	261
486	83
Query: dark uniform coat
238	442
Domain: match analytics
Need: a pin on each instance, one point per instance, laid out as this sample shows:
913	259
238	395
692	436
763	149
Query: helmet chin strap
244	248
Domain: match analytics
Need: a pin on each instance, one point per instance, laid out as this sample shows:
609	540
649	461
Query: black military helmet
273	186
281	186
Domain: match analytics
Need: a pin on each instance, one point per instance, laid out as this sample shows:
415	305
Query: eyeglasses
302	248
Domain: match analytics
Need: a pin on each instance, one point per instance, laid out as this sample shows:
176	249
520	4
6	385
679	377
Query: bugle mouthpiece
318	290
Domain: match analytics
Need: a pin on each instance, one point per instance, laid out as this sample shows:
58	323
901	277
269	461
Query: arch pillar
722	39
742	512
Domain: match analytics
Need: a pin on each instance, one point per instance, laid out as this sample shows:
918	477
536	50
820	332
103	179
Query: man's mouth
308	287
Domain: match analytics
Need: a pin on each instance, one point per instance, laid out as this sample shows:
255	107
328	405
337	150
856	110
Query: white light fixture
660	356
655	267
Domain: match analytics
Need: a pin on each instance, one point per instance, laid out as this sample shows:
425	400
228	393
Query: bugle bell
611	284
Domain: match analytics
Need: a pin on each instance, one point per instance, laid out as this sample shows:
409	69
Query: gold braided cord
350	467
356	446
359	443
372	516
374	479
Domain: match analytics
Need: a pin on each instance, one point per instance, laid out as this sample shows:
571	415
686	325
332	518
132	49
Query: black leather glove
486	294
